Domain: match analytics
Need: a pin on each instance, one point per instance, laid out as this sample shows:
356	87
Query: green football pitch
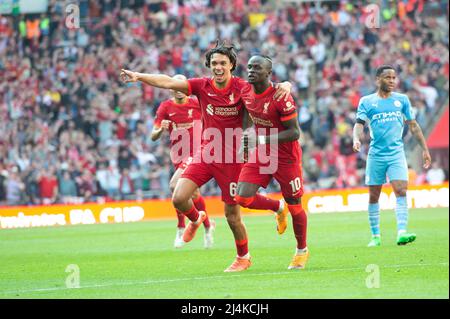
137	260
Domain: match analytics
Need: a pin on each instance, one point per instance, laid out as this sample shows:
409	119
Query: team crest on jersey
210	109
231	98
190	112
397	103
266	107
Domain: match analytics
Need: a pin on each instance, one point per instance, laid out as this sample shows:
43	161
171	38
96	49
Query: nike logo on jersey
172	114
211	94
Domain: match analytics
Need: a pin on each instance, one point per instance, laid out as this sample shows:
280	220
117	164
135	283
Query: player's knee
179	199
196	194
400	192
293	201
244	201
374	197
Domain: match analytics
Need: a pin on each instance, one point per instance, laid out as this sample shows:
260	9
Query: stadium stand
70	131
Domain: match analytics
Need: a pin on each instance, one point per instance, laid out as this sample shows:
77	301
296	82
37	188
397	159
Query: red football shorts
289	176
184	164
226	176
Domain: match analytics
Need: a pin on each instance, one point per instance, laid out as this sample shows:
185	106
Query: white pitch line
244	275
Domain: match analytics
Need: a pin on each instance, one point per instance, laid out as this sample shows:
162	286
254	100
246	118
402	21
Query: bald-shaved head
179	77
264	60
259	69
179	96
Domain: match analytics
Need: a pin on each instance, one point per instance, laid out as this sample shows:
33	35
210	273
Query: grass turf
137	260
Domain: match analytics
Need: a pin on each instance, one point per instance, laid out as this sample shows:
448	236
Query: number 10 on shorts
296	185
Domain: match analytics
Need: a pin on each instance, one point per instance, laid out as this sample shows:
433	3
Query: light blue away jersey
386	122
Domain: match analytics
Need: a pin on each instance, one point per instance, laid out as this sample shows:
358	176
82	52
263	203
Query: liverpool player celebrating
222	107
267	113
175	115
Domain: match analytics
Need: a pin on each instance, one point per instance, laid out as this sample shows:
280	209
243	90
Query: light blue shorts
378	168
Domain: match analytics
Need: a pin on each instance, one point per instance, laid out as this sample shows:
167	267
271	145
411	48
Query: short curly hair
222	48
381	69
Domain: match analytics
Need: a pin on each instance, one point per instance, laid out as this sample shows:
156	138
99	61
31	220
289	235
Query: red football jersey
182	117
222	109
267	113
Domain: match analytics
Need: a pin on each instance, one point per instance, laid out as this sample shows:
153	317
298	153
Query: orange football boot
299	261
239	264
281	217
192	227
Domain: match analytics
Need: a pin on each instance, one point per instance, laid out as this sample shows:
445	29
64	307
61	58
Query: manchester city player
386	112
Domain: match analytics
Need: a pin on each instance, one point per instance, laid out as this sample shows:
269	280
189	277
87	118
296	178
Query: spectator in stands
87	186
67	188
61	101
109	179
435	174
14	188
126	186
48	186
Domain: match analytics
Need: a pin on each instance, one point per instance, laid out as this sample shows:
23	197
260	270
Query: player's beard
386	88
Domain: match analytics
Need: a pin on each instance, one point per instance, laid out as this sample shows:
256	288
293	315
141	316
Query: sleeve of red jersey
195	85
287	109
161	114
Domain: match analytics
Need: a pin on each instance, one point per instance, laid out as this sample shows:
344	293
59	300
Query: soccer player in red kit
267	113
181	113
222	107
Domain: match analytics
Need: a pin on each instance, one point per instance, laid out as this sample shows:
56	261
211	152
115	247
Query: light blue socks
374	219
401	212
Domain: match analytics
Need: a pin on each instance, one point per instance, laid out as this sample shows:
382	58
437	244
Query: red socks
192	214
199	203
259	202
242	247
181	223
299	222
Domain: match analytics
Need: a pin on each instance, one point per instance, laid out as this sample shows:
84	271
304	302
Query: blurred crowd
70	131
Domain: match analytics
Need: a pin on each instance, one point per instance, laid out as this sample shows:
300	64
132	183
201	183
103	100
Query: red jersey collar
266	92
213	84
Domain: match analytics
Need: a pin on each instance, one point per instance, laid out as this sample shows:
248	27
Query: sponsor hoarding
330	201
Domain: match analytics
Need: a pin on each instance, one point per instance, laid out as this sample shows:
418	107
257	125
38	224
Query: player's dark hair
222	48
381	69
267	58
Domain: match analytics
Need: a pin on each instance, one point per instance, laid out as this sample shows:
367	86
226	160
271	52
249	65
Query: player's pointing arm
157	80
